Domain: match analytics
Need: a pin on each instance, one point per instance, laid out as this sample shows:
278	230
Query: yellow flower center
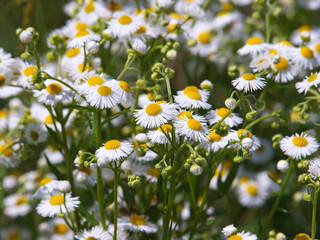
3	113
305	28
60	228
90	238
194	124
54	88
165	128
248	76
240	131
302	236
282	64
244	179
172	27
252	190
306	52
81	69
89	7
175	15
213	137
235	237
137	220
5	150
273	52
29	70
48	120
57	200
222	13
14	236
286	43
72	52
81	33
104	90
185	114
112	144
254	41
21	200
190	89
273	175
95	80
125	20
34	135
312	77
125	86
81	26
204	37
227	6
153	109
114	6
193	95
2	80
299	141
142	29
153	172
223	111
44	181
317	48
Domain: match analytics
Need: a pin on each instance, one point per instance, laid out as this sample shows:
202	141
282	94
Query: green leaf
54	135
53	168
90	218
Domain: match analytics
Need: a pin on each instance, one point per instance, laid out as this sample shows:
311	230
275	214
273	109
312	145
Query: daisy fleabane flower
243	236
113	150
82	37
308	82
137	223
229	230
96	233
155	114
53	93
193	97
299	145
56	204
253	46
249	83
232	120
304	58
35	133
314	168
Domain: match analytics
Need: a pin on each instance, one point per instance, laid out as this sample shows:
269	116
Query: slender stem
36	55
275	205
97	129
127	65
314	214
59	65
115	201
193	197
259	120
267	21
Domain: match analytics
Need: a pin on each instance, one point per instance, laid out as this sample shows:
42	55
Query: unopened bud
238	159
230	103
64	186
195	169
192	42
206	85
93	47
171	55
282	166
247	143
141	138
26	36
307	197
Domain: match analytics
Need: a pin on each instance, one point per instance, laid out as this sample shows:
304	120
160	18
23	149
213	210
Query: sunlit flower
35	133
304	58
308	82
96	232
232	120
81	38
193	97
137	223
16	205
253	46
249	83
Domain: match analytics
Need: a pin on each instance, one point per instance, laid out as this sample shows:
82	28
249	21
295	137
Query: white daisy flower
7	155
222	173
160	135
56	204
92	11
103	96
96	232
82	37
229	230
91	80
155	114
243	236
215	142
149	154
112	151
78	72
308	82
225	18
123	25
304	58
190	8
35	133
232	120
85	176
255	141
5	76
253	46
123	88
137	223
193	97
26	73
53	154
314	168
53	93
15	233
145	99
249	83
47	186
299	145
284	69
8	91
16	205
60	230
192	129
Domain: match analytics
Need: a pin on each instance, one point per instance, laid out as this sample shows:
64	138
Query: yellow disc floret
72	52
81	26
248	76
81	33
153	109
306	52
312	77
142	29
204	37
57	199
104	90
193	95
95	80
235	237
183	115
240	131
194	124
89	7
223	111
153	172
2	80
254	41
5	150
282	64
124	20
112	144
252	190
299	141
137	220
213	137
29	70
60	228
54	88
114	6
125	86
44	181
165	128
3	113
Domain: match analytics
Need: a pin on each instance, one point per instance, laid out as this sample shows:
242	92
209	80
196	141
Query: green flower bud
250	116
201	161
189	161
186	166
51	56
238	159
272	233
171	55
26	56
256	15
259	105
158	167
141	83
164	23
192	42
307	197
170	72
176	46
277	11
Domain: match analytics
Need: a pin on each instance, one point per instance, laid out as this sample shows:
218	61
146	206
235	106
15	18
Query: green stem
275	205
97	129
59	65
267	21
168	89
193	197
314	214
36	55
115	200
127	65
259	120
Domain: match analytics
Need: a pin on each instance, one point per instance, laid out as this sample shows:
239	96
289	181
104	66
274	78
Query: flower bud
229	230
26	36
305	36
78	162
141	83
238	159
247	143
171	55
64	186
82	177
200	161
272	233
164	23
307	197
259	105
93	47
192	42
230	103
250	116
141	138
280	236
283	166
139	46
107	34
206	85
195	169
26	56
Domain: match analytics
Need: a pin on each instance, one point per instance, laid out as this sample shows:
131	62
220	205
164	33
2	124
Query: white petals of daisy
35	133
253	46
308	82
137	223
232	120
155	114
95	233
249	83
191	96
314	168
299	145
